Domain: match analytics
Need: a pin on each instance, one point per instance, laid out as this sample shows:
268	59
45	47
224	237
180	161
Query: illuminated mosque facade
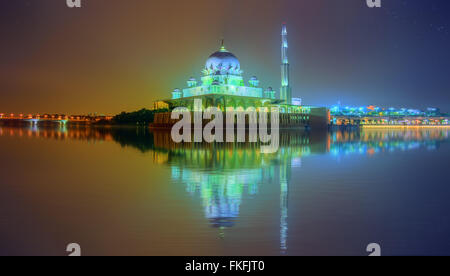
223	86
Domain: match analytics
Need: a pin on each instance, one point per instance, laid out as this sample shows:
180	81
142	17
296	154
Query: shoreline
412	126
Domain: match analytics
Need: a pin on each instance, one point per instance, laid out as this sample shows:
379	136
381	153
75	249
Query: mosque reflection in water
222	174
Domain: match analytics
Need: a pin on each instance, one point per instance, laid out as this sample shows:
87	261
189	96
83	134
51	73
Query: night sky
115	55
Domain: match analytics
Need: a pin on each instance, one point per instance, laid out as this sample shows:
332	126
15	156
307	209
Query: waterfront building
376	111
222	85
374	115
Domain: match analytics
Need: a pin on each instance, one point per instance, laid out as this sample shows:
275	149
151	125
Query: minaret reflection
285	179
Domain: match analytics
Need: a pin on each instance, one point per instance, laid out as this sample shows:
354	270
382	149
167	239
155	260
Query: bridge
48	118
342	120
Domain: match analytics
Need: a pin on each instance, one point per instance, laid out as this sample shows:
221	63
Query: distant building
376	111
297	101
160	105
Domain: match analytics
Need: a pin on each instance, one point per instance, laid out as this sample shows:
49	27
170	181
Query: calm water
126	191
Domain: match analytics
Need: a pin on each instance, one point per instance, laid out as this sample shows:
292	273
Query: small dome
254	82
192	82
269	89
176	94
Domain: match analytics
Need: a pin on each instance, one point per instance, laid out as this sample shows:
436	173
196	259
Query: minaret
285	91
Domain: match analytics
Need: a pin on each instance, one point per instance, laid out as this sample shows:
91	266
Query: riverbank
411	126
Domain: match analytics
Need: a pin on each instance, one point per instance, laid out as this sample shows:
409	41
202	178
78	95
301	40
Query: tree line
140	117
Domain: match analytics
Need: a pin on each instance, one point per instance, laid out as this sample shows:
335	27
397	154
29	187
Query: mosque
222	85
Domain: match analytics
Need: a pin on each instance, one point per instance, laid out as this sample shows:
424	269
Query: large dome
223	60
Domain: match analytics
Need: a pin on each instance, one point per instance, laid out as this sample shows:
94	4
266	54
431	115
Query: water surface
130	191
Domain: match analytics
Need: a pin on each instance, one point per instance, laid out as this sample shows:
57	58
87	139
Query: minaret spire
285	91
222	47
